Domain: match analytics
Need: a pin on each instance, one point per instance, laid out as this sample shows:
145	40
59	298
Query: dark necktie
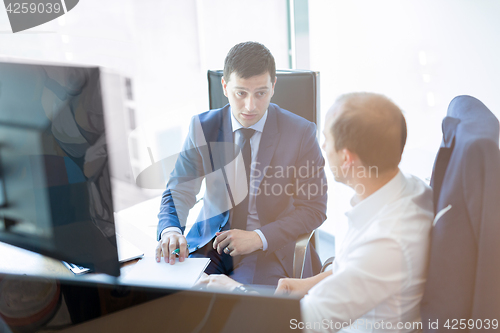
240	213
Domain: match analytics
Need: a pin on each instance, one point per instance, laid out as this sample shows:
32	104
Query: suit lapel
443	157
221	144
268	142
222	150
226	130
225	139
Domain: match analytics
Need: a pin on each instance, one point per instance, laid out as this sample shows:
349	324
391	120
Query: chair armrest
299	255
327	263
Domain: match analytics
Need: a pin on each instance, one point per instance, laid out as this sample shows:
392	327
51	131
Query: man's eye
240	93
261	93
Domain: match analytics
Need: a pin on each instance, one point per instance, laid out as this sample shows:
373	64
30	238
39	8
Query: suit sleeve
482	192
184	182
309	198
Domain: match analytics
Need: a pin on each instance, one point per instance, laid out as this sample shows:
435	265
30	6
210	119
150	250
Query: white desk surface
137	224
23	262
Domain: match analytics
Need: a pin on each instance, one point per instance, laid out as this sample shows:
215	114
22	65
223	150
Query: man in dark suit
265	183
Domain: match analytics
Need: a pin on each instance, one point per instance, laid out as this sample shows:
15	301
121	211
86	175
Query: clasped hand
237	242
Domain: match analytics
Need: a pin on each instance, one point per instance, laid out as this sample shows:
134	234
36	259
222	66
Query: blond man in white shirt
376	282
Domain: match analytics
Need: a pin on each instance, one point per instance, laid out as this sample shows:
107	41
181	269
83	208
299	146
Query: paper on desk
147	272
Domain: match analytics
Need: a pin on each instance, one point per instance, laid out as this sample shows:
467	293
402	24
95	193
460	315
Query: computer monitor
55	173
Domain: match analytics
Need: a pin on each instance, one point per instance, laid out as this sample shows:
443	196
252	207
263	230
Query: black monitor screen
55	187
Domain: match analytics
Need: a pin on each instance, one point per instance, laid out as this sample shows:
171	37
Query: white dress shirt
253	223
378	276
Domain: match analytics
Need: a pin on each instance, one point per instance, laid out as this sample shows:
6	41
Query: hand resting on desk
292	287
299	287
169	242
217	282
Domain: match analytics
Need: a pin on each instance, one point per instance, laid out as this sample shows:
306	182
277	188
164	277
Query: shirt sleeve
170	229
374	272
262	238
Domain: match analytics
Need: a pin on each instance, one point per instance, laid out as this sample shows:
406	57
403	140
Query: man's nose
250	103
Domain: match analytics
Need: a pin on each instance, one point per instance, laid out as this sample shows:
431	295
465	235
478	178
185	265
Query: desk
188	310
137	224
198	311
23	262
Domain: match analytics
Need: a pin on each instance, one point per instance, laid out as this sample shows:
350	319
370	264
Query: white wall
165	46
420	53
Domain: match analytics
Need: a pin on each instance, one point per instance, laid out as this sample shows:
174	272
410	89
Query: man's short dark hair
371	126
249	59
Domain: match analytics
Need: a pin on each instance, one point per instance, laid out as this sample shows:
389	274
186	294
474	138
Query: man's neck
365	187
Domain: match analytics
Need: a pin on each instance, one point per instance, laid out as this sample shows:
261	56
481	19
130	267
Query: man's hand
169	242
237	242
299	287
293	287
217	281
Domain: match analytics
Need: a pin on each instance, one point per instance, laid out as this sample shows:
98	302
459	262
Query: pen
176	251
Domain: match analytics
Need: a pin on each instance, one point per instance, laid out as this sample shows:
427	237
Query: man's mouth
248	115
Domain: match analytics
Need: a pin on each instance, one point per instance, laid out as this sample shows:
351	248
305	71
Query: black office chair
296	91
463	279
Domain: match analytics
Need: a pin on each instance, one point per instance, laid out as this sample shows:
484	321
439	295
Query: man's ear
224	86
274	85
348	158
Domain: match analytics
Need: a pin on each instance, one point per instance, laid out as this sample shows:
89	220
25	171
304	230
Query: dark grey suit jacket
464	270
288	143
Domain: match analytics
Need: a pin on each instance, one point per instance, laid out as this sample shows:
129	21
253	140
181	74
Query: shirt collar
364	210
258	126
